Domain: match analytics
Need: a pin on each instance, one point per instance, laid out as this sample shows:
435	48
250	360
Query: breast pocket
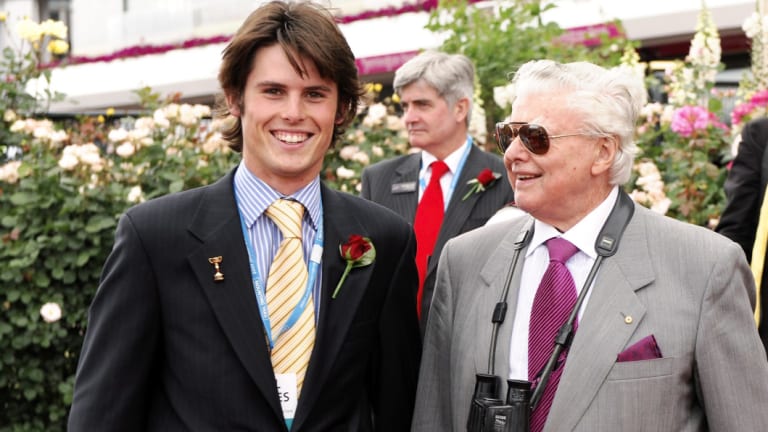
646	395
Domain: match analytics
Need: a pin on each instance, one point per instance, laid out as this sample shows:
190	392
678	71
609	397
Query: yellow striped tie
285	287
758	254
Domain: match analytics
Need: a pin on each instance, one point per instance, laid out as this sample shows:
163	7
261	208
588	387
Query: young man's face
287	120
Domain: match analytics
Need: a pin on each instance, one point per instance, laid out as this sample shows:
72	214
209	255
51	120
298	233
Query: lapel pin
218	276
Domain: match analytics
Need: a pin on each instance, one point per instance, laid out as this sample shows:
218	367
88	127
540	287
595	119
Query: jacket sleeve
115	364
743	188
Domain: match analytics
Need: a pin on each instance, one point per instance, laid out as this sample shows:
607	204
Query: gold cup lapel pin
218	276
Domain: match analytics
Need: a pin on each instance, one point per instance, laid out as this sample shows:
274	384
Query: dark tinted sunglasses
534	137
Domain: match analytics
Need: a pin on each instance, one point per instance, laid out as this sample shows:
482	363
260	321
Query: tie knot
287	215
560	249
438	169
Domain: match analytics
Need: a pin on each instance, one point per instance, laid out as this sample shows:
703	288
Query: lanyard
258	287
455	179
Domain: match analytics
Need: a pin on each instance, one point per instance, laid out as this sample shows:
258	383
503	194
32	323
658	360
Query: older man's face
432	124
569	180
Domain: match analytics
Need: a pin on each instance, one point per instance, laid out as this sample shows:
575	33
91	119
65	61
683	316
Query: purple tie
552	304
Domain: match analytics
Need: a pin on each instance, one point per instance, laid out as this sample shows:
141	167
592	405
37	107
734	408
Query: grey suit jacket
394	184
686	285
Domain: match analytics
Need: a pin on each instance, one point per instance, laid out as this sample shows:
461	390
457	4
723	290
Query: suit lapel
494	274
458	210
604	330
336	315
407	173
217	225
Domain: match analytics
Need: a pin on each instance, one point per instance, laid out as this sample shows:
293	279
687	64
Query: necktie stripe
552	304
286	285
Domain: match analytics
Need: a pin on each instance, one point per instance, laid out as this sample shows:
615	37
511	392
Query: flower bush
59	202
377	133
684	145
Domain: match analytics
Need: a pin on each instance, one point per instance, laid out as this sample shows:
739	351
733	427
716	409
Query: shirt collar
584	234
452	160
254	196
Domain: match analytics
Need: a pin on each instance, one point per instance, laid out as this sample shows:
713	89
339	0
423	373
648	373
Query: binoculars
488	413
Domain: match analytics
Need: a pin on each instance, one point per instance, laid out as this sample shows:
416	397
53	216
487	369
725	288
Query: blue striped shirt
254	196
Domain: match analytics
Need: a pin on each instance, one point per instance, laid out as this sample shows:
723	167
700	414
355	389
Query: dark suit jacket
379	185
745	188
170	349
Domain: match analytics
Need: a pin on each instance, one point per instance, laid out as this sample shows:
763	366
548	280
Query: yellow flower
377	87
53	28
58	47
395	98
29	30
110	112
100	119
3	16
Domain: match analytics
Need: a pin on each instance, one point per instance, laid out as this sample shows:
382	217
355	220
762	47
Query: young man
223	308
436	91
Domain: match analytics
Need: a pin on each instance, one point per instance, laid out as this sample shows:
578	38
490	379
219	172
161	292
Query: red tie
429	218
552	304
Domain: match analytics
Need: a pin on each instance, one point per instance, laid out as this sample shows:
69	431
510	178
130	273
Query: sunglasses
534	137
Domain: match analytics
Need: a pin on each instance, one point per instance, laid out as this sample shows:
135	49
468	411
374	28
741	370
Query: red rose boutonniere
358	251
483	181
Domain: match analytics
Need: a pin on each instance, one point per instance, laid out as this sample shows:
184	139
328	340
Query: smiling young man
664	337
217	307
436	91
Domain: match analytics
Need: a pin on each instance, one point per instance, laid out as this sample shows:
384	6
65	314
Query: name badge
287	392
406	187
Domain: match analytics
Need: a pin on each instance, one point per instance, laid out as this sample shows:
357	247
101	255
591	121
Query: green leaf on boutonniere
484	180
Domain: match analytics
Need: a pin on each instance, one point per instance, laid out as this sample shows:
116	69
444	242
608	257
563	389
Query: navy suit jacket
745	188
382	183
170	349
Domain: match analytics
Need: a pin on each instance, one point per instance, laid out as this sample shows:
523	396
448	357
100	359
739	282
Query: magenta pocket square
644	349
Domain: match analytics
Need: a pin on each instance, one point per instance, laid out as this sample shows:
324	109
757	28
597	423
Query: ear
605	152
341	113
461	109
234	103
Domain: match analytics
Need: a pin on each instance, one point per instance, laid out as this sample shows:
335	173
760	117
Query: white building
101	28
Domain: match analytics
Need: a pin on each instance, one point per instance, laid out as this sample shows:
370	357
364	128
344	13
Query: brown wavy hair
304	30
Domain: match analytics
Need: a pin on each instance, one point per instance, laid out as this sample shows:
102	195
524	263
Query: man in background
451	186
745	218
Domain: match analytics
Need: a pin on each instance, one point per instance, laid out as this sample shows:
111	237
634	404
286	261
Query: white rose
68	161
51	312
9	115
118	135
344	173
135	195
348	152
9	172
125	149
362	158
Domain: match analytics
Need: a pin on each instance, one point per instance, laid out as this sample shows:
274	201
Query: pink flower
688	120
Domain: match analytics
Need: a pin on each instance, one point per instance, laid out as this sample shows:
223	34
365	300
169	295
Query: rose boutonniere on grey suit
358	251
484	180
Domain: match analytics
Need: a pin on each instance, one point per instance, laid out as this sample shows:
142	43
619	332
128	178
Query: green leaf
23	198
99	222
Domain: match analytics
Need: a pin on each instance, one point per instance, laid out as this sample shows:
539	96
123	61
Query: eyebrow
268	83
